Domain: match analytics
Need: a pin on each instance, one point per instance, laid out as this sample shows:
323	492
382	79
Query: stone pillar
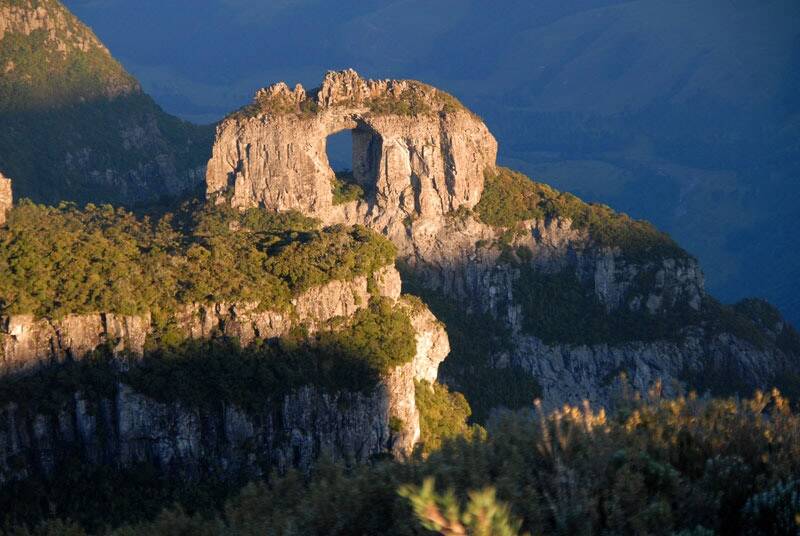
6	198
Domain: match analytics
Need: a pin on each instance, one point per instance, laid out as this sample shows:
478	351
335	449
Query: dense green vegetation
56	261
345	188
683	466
509	198
474	340
443	416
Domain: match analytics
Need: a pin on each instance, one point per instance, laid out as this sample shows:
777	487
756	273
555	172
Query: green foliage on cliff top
509	198
60	260
346	355
417	99
683	466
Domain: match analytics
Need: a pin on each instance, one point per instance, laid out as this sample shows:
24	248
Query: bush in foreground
682	466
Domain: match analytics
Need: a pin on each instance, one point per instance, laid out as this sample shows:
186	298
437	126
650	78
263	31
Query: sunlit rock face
416	151
6	198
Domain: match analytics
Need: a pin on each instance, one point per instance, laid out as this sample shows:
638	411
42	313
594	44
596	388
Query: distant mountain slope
76	125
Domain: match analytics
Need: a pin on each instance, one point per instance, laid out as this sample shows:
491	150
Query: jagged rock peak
6	197
347	89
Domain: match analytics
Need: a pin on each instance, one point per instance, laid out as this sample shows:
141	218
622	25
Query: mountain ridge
105	140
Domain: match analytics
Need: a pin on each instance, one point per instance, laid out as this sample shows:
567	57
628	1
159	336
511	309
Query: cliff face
6	198
186	441
421	160
78	126
418	162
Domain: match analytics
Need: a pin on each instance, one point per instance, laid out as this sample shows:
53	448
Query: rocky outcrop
416	151
463	260
420	157
600	373
190	442
6	198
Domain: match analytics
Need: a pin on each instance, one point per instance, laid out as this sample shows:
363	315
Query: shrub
61	260
442	415
345	189
510	198
681	466
482	516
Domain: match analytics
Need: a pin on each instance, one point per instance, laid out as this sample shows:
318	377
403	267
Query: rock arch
417	150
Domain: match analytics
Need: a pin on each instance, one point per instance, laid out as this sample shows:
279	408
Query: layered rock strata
418	162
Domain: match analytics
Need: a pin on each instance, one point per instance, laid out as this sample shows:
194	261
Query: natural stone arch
416	148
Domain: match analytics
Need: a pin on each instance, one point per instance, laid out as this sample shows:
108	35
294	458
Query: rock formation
289	431
421	158
6	198
417	152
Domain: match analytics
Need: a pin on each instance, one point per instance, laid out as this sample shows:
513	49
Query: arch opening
354	157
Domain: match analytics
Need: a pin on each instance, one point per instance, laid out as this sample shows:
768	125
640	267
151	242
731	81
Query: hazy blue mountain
684	113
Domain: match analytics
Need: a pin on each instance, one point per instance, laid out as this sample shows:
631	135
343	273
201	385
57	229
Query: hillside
212	344
680	113
76	125
572	297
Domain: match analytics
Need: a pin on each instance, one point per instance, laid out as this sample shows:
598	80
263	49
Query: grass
418	99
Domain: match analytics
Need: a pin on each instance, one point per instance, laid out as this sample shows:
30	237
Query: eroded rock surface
416	151
6	198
